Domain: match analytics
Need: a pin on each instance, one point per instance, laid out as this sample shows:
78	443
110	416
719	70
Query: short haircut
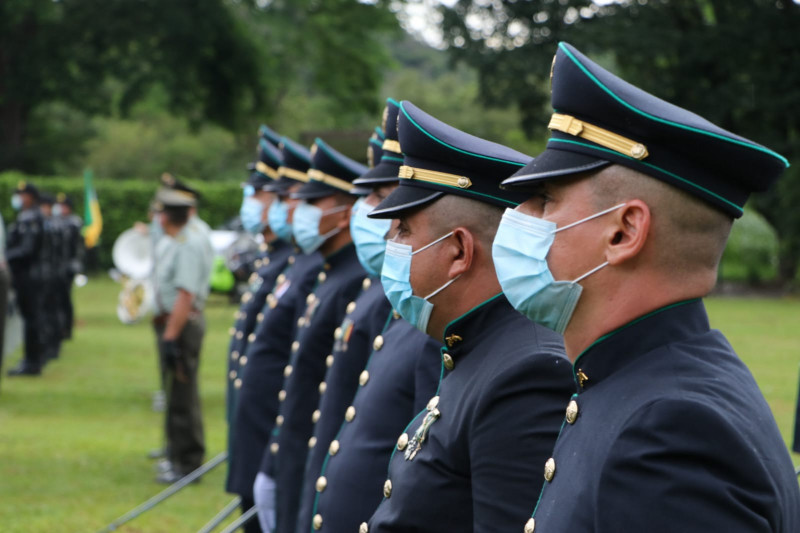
176	215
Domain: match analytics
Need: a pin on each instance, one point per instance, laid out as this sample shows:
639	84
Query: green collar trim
683	180
665	121
482	304
631	323
420	128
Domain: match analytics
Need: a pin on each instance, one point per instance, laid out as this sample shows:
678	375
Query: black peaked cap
330	172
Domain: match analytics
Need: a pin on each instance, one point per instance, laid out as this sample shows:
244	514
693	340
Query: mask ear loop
440	289
440	239
592	271
581	221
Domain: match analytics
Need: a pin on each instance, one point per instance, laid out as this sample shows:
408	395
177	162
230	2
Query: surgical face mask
519	252
156	227
278	219
369	234
305	226
251	214
396	280
57	210
16	202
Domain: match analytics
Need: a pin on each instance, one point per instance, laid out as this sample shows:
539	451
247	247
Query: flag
92	219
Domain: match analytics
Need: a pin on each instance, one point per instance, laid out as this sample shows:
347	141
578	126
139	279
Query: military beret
388	168
330	172
266	168
601	119
269	135
23	187
438	159
296	161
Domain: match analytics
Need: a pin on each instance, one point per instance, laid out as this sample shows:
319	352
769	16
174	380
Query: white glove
264	496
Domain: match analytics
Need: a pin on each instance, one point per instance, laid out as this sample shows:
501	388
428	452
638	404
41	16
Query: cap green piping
665	121
453	147
288	146
392	158
684	180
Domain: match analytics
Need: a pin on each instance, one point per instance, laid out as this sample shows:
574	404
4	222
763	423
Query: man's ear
461	247
626	234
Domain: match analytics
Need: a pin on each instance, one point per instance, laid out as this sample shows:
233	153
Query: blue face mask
16	202
251	213
278	218
520	259
156	229
305	226
369	234
396	280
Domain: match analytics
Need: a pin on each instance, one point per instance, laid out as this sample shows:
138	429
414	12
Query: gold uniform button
530	525
287	371
337	333
265	261
366	284
253	277
280	279
387	488
315	416
333	449
243	360
402	442
301	322
258	263
237	384
274	447
351	307
448	362
312	442
281	395
322	277
272	301
550	469
263	247
259	317
433	403
321	483
363	378
234	355
395	314
350	414
317	521
232	374
251	337
363	528
246	297
323	387
329	361
279	420
295	346
572	411
310	299
231	331
239	335
291	259
377	344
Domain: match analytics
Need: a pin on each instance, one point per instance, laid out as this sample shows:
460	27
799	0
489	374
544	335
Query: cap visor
382	173
403	199
552	164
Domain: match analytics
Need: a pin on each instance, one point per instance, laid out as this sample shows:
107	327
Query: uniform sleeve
189	270
514	430
686	469
27	245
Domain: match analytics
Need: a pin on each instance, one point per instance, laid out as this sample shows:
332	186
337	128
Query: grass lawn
73	443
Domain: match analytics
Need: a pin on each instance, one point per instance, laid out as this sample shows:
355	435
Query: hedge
123	202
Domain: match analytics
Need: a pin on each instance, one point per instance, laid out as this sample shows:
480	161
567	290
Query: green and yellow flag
92	219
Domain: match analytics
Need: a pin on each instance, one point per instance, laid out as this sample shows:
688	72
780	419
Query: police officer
321	222
499	402
275	253
53	236
631	206
261	367
24	247
347	463
181	275
71	262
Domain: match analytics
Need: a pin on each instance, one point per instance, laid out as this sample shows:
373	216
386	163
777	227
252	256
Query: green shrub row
123	202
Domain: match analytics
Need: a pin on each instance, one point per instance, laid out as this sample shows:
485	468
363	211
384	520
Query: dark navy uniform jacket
668	433
24	246
402	374
463	463
269	265
262	373
356	338
326	308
